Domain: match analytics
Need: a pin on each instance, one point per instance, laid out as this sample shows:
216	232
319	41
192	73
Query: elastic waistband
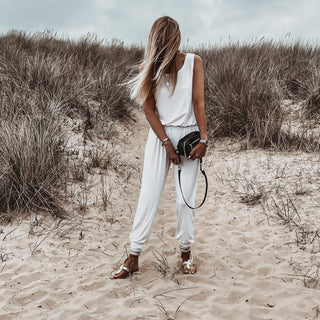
176	133
182	127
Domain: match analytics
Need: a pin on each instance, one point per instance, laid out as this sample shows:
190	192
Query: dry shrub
294	62
73	72
312	101
245	85
31	150
43	80
243	96
298	66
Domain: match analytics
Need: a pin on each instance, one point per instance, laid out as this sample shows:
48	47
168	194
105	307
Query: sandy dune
249	264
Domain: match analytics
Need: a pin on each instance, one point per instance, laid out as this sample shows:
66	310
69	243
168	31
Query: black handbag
187	143
184	147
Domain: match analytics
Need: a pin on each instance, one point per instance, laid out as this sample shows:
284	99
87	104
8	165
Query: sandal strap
189	263
123	267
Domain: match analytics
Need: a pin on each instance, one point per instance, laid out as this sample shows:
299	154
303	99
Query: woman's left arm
199	151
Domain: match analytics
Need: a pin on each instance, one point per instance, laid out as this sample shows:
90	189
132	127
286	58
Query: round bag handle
205	194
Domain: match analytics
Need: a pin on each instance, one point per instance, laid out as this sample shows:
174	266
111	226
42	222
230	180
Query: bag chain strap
205	194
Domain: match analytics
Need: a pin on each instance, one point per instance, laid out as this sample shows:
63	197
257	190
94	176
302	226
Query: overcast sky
201	21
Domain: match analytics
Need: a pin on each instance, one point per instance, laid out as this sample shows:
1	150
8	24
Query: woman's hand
198	151
171	153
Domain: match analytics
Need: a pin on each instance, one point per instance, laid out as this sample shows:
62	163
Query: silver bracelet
164	141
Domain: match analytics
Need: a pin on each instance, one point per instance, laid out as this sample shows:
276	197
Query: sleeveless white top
177	109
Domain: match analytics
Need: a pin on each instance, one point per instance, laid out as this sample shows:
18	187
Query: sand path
60	269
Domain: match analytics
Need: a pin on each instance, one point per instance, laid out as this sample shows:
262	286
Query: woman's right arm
155	123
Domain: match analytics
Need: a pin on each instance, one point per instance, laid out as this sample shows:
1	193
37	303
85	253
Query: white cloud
201	21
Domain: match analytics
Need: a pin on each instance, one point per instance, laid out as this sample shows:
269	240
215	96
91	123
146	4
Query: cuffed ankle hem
134	253
185	249
135	248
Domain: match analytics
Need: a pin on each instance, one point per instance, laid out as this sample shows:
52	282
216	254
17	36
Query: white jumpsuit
176	114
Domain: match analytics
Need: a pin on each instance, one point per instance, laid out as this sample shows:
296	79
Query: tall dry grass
243	96
73	72
45	79
245	85
31	151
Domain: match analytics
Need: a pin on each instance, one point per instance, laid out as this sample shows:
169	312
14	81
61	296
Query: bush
31	150
242	93
44	79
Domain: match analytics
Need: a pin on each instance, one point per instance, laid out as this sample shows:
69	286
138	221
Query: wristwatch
206	142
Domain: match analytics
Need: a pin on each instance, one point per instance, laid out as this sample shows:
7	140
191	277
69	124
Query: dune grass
245	85
45	80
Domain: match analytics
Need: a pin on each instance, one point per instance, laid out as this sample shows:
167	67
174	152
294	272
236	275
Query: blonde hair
159	58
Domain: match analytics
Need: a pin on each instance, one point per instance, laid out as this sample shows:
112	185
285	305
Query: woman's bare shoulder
197	59
198	65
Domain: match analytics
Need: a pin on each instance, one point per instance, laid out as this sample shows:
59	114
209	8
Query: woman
170	86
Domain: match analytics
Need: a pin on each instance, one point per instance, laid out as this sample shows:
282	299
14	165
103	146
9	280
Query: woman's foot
187	263
130	266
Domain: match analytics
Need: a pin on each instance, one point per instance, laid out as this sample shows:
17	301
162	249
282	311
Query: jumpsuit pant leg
189	178
185	215
155	171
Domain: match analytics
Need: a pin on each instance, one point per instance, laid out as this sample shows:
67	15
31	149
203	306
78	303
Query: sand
250	264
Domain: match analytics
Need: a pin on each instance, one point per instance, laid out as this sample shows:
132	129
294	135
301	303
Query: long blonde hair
159	58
